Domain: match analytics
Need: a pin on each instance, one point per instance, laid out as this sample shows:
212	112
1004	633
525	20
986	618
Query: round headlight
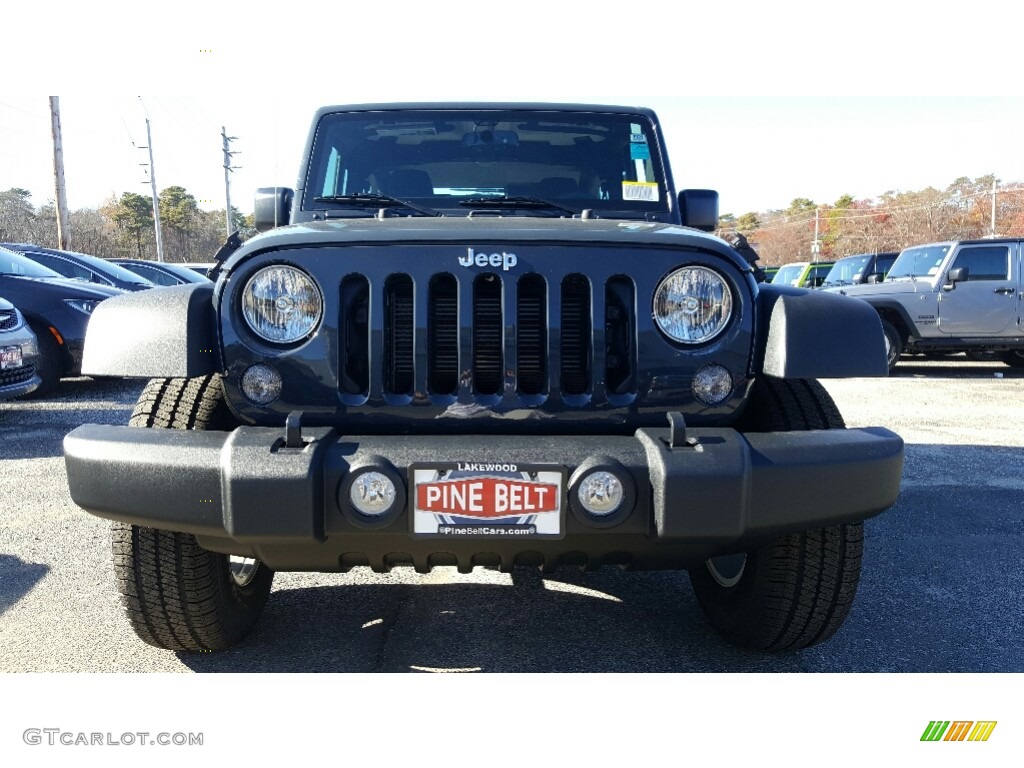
281	304
693	305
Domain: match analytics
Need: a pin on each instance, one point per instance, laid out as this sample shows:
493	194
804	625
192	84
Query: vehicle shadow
953	367
617	623
17	578
35	428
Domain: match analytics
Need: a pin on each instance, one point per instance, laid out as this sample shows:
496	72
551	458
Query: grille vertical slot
575	374
532	335
354	335
620	335
398	335
488	359
443	335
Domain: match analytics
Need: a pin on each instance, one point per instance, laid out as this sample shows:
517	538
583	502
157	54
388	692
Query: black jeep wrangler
490	335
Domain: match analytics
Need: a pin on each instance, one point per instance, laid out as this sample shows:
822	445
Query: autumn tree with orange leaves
890	222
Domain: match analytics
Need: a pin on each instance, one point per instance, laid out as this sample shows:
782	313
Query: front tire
50	366
893	343
176	594
797	590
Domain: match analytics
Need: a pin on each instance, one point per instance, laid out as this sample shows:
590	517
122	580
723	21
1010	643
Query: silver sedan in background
19	353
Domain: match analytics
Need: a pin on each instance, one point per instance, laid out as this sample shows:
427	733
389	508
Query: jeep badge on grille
504	260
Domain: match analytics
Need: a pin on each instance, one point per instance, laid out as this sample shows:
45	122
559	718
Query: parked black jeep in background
490	335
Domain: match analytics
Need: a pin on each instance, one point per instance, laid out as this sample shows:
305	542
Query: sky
759	153
762	104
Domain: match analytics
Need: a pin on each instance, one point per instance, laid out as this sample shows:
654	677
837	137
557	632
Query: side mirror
699	208
874	277
957	275
273	207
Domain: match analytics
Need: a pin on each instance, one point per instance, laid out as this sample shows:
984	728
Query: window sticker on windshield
639	152
646	191
636	134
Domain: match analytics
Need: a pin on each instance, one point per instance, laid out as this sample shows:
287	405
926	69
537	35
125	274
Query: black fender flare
808	334
887	307
160	332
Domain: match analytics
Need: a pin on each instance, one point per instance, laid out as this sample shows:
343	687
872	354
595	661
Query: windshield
919	262
789	274
848	271
12	263
441	158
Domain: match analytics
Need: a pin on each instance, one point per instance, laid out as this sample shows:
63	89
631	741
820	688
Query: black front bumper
246	492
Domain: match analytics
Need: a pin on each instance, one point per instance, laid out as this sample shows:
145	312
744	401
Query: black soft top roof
493	105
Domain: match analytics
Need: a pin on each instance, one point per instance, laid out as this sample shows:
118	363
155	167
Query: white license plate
10	357
488	499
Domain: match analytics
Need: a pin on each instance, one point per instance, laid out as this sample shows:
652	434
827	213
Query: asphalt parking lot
942	588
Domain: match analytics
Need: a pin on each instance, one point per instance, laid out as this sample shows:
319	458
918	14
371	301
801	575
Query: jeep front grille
575	342
443	336
398	334
532	335
488	337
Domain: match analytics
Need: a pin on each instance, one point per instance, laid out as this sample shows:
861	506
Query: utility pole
156	201
816	245
63	228
993	206
226	142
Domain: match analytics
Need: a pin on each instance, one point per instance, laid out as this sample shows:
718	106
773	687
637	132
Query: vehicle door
986	303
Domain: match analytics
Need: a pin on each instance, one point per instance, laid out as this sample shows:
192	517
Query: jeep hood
486	230
877	290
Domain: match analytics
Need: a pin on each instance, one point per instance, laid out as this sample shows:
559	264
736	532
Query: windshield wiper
371	200
516	201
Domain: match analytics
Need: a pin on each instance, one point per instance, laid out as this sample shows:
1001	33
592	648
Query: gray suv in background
956	296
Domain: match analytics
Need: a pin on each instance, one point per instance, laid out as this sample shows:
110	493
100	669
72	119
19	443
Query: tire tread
177	595
798	590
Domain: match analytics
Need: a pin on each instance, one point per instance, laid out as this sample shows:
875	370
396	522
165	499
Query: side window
63	267
818	273
984	262
153	275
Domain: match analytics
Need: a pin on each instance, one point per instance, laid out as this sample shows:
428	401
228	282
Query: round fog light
600	493
712	384
261	384
372	493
